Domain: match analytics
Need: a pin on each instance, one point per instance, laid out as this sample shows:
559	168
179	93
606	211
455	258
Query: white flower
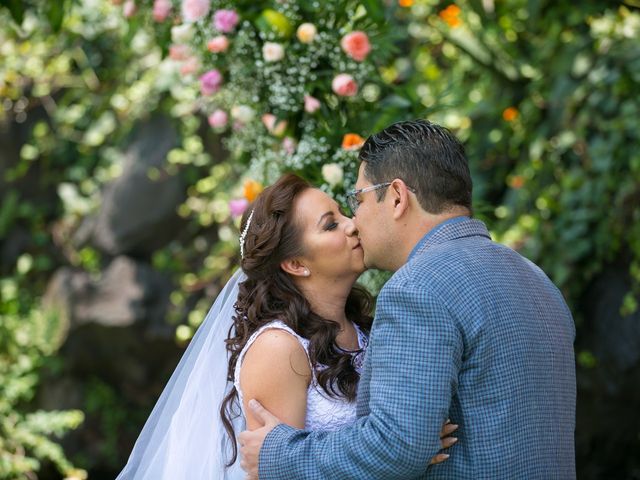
332	174
272	52
242	113
182	33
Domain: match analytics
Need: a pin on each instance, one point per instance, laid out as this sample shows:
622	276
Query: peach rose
306	32
218	44
356	45
190	66
344	85
179	52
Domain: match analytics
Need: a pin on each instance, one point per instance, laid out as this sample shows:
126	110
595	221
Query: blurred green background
115	226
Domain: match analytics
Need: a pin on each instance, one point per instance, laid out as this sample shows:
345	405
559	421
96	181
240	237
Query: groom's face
371	222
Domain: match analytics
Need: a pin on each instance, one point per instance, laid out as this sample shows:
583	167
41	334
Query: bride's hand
446	441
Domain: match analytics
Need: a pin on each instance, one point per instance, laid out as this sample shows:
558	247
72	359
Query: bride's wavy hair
269	293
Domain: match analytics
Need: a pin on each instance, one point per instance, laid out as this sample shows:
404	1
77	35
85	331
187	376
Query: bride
289	329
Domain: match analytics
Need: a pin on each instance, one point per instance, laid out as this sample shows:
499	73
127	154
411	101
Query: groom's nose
350	228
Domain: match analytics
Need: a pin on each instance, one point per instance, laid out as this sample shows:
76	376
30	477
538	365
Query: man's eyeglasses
352	196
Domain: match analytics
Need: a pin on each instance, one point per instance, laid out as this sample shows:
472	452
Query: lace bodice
323	412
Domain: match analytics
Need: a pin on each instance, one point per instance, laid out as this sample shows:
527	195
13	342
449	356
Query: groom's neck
412	231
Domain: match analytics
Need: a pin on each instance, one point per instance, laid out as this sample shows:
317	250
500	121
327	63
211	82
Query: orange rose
352	141
510	114
405	3
517	181
251	190
450	15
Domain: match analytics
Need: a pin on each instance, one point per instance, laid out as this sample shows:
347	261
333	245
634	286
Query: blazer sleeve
415	353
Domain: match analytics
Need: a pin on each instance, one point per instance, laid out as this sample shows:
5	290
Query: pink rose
225	20
238	206
129	8
289	145
344	85
161	10
218	44
179	52
356	45
193	10
218	119
311	104
210	82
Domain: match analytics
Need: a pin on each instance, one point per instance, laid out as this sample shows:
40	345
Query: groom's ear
400	195
294	267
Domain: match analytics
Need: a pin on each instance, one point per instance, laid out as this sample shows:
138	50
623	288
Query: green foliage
103	403
54	12
27	339
543	94
546	101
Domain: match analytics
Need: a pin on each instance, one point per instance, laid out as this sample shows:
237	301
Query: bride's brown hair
269	293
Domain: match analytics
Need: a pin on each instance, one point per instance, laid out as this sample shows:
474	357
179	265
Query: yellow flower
278	22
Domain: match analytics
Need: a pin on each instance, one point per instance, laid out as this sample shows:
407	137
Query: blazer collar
457	227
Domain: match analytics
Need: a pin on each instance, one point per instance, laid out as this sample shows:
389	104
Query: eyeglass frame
351	197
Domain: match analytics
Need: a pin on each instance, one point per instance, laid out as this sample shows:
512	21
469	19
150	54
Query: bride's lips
357	246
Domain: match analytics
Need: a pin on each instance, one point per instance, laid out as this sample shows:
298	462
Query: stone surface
138	212
127	292
116	356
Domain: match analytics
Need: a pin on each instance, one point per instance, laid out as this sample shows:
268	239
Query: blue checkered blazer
469	330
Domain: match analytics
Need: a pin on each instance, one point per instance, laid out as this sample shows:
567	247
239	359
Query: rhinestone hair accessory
243	235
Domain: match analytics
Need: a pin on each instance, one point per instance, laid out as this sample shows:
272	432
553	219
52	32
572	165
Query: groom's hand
251	441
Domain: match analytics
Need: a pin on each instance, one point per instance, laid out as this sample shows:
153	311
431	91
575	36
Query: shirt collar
432	232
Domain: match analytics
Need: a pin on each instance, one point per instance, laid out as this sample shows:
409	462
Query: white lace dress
323	412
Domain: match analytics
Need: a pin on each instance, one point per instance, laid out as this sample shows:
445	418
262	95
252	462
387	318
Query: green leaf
55	13
8	211
395	101
374	9
16	8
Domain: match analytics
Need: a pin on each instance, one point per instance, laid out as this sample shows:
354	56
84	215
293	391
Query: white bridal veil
183	437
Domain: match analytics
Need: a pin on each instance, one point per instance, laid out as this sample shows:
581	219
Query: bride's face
330	239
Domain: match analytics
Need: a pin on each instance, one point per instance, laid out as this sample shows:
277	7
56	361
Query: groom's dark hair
427	157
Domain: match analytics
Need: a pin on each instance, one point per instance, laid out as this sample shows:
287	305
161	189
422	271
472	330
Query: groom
466	329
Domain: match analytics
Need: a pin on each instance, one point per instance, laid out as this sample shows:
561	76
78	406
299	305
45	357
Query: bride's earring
307	273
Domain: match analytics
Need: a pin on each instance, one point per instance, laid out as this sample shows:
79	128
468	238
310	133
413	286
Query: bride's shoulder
276	349
277	373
